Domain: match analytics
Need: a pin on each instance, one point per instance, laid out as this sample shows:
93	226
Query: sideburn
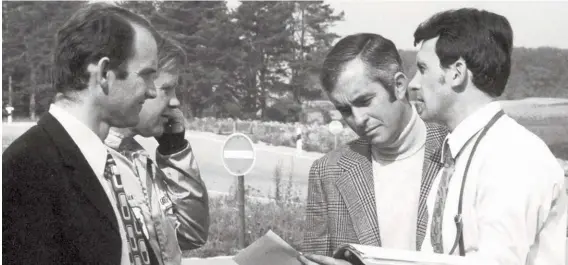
442	80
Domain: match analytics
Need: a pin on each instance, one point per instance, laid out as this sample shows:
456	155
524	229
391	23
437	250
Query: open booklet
273	250
371	255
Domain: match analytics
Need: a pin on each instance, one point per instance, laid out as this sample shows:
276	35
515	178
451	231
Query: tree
28	40
312	40
266	40
205	31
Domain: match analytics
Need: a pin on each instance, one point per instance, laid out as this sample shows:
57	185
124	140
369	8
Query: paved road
208	150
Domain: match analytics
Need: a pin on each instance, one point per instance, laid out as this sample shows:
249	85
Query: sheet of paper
269	249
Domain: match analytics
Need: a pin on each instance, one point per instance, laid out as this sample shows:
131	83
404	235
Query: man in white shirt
513	207
60	184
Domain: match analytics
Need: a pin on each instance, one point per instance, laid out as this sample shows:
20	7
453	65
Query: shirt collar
411	140
88	142
121	143
114	139
469	127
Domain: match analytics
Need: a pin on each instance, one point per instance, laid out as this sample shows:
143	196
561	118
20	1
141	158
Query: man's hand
176	122
173	138
313	259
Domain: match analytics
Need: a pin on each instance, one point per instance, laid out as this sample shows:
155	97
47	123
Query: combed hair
483	39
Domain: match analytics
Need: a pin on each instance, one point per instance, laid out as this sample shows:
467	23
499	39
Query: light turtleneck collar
411	140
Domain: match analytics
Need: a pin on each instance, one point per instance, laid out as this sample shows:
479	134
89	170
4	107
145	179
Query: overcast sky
534	23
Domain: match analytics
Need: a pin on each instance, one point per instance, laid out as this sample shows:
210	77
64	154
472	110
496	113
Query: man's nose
414	84
151	90
174	102
360	116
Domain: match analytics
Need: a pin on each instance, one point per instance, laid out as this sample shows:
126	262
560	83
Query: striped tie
138	247
438	214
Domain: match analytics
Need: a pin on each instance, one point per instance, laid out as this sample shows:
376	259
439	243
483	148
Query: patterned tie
139	252
438	214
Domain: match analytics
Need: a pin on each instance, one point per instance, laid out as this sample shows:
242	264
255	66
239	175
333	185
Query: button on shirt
514	204
95	152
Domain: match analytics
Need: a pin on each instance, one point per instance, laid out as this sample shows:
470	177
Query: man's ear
104	74
400	85
459	73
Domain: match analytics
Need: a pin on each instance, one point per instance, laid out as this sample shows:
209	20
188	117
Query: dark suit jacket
54	209
341	204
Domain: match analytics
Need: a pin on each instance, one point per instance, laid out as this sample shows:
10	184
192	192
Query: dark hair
378	53
483	39
94	31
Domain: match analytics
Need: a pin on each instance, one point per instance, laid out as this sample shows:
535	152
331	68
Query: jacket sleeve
316	233
188	194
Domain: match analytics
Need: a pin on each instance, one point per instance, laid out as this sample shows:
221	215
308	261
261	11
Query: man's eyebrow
147	71
361	97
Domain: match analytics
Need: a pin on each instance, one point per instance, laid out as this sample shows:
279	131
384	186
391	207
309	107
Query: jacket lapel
435	135
357	190
82	175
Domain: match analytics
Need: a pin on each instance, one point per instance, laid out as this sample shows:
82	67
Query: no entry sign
238	154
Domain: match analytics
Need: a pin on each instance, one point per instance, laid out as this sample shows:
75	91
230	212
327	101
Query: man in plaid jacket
373	190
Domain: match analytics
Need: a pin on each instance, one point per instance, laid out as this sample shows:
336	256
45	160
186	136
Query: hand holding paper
312	259
269	249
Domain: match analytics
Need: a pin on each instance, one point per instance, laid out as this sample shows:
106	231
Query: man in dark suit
59	182
373	190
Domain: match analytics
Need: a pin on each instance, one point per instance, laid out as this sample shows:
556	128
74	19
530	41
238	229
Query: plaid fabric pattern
341	199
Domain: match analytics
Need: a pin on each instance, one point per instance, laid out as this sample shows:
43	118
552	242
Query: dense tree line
257	61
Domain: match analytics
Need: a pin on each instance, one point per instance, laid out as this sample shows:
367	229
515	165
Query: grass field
547	118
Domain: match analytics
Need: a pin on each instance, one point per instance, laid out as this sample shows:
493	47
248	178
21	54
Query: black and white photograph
285	132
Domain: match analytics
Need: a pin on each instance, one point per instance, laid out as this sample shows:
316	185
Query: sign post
238	158
335	127
9	110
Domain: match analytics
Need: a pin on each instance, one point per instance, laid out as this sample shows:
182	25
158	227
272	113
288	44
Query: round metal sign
238	154
335	127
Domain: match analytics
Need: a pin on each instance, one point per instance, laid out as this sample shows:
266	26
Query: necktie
438	213
138	246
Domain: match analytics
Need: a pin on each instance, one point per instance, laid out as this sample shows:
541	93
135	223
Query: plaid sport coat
341	204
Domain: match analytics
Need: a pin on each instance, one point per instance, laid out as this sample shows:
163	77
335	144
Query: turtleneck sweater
397	171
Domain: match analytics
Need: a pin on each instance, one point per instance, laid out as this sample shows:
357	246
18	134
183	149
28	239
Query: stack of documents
273	250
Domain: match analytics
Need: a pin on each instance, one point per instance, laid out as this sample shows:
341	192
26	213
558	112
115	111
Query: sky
534	23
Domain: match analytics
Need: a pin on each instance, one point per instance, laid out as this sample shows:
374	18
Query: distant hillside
540	72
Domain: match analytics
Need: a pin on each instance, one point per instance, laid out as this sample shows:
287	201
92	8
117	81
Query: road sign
238	159
238	154
335	127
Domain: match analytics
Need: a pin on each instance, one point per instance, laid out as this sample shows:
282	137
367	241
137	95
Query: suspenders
458	218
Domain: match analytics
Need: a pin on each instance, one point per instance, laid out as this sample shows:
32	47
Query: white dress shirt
95	152
514	204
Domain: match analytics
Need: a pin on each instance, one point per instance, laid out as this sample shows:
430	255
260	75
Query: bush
284	215
316	138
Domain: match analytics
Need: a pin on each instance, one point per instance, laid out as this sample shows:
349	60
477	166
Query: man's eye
344	110
421	69
364	102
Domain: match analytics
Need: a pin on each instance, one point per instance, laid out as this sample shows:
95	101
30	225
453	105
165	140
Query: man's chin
418	106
